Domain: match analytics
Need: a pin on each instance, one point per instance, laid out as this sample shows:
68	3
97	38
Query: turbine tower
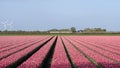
10	25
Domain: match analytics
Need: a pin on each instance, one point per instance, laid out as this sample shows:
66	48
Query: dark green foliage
73	29
9	33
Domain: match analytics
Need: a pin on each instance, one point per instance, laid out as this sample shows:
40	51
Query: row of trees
93	30
72	29
88	30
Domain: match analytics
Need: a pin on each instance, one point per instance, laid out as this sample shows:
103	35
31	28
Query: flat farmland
59	52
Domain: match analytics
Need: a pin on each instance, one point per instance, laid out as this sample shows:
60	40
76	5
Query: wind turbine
6	24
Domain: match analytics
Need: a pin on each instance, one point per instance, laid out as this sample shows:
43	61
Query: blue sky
49	14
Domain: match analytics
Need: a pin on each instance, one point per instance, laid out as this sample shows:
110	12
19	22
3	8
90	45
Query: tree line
73	29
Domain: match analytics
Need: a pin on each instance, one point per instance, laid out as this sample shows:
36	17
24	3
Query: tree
73	29
94	30
104	30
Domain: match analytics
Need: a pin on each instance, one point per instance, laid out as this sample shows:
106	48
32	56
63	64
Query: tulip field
59	52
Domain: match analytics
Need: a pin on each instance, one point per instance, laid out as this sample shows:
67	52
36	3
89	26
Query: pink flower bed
35	60
79	59
102	49
12	58
60	59
99	58
4	53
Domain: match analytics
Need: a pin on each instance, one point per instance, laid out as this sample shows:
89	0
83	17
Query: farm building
54	31
60	31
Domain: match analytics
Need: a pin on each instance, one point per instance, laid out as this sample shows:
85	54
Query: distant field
59	51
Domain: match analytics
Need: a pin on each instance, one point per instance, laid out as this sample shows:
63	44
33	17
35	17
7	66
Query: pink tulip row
60	59
112	41
12	58
79	59
21	43
35	60
105	43
109	53
99	58
4	45
2	54
9	40
14	40
102	46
